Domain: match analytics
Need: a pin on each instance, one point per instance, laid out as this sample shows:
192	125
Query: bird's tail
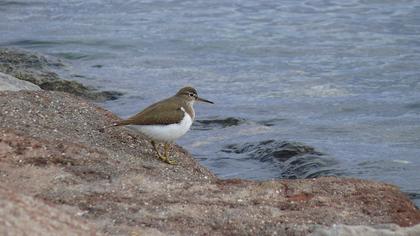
120	123
113	124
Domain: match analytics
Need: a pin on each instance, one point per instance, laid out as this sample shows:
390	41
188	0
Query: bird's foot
165	157
167	160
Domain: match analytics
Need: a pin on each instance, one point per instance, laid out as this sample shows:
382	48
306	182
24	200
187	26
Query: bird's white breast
167	133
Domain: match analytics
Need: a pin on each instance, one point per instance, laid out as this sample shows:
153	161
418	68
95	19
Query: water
340	76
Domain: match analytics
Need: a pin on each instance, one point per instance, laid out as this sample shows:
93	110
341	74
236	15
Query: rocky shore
40	70
63	173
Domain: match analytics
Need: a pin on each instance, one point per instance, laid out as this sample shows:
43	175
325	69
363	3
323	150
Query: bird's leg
166	155
156	148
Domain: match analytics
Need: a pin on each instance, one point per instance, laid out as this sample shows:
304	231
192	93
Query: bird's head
190	94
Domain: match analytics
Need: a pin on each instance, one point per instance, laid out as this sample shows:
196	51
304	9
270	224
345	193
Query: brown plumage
168	111
164	112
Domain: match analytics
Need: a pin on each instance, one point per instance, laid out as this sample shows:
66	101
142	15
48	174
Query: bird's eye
191	94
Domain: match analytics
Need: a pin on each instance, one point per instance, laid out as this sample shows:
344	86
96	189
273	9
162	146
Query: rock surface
10	83
23	215
54	148
378	230
39	70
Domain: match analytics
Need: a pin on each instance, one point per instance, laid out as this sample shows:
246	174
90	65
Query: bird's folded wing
157	114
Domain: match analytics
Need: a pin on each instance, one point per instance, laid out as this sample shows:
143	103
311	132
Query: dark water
340	77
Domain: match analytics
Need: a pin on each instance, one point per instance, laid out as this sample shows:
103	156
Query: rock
217	123
23	215
39	69
10	83
54	148
269	149
379	230
293	159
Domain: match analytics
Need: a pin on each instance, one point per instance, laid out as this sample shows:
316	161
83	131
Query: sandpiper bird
166	120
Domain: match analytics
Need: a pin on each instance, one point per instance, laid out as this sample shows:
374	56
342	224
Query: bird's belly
167	133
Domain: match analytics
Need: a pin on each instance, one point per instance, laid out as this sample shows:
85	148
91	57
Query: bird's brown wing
156	114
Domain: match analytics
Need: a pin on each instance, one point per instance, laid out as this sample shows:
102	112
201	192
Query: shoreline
40	70
109	181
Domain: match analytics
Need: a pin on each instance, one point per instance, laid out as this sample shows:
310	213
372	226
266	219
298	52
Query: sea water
342	77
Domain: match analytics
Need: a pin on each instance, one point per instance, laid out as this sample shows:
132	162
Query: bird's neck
189	109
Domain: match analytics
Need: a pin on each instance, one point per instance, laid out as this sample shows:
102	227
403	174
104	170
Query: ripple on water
217	123
415	197
293	159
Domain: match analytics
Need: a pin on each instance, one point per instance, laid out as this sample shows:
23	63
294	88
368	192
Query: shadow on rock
295	160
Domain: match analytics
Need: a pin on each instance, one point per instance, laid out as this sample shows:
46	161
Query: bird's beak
204	100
